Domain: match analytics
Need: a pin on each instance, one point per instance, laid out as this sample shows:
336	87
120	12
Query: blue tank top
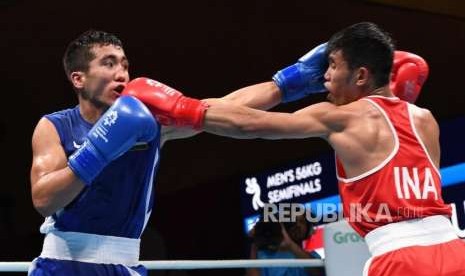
120	200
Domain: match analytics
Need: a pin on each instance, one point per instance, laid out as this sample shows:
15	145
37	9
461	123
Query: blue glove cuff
87	163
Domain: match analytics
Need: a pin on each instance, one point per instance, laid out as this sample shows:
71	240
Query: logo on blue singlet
76	145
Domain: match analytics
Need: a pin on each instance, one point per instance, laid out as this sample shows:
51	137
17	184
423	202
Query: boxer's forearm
261	96
55	190
225	119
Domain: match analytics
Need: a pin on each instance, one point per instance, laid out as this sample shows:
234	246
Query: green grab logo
346	237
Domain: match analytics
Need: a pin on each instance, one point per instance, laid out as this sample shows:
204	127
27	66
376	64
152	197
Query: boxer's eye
109	64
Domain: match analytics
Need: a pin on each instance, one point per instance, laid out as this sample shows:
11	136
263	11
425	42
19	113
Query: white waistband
424	231
91	248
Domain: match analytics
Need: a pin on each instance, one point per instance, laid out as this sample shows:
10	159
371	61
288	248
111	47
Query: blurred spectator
274	240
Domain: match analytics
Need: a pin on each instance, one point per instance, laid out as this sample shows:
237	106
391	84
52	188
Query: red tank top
407	185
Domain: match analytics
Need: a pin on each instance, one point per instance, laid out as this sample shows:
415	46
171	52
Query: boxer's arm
53	184
261	96
174	132
318	120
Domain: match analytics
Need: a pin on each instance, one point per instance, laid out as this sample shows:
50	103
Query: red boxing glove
409	72
168	105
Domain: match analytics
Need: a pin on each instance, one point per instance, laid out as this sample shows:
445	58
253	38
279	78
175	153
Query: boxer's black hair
78	54
365	45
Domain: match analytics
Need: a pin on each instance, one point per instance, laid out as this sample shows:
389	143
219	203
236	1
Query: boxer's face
106	77
339	80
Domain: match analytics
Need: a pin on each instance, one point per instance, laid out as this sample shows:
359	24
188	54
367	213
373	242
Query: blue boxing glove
305	77
126	122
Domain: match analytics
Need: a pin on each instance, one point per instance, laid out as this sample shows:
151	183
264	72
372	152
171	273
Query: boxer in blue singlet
93	165
93	168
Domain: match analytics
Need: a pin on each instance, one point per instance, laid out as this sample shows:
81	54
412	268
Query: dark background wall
206	49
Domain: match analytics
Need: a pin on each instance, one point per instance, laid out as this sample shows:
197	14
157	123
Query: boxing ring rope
195	264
